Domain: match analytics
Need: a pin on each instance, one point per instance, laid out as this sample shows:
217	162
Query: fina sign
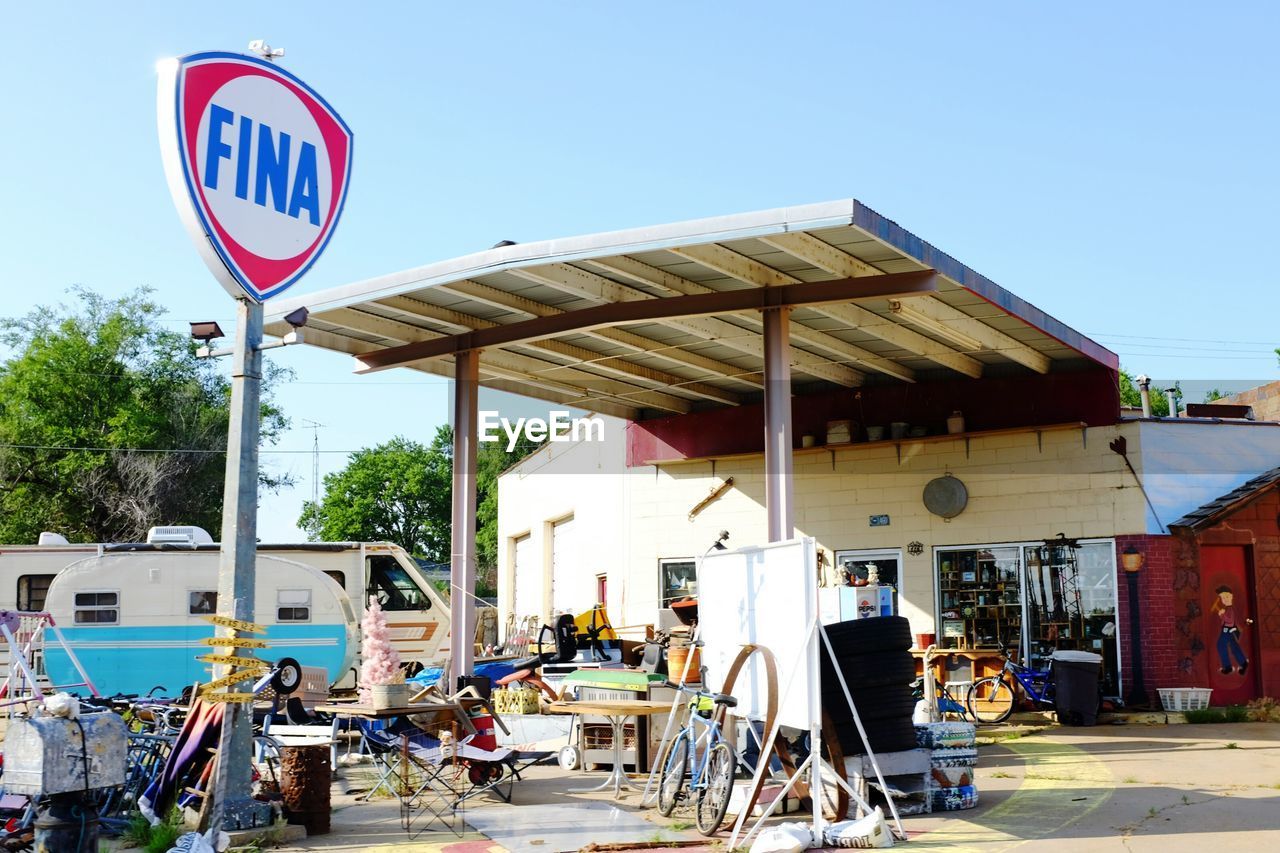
258	164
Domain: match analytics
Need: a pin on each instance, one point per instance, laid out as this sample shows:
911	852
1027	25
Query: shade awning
667	319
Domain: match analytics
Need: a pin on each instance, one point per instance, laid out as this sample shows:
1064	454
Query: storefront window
979	597
1036	598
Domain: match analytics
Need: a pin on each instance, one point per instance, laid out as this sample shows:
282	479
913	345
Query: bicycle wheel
674	771
990	700
713	797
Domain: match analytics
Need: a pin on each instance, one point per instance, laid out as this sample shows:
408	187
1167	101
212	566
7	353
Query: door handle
1248	621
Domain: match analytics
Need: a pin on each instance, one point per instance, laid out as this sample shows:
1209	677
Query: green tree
109	424
395	492
401	492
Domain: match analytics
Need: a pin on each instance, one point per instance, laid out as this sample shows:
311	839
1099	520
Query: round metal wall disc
945	496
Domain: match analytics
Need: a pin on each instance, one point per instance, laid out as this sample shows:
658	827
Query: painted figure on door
1229	635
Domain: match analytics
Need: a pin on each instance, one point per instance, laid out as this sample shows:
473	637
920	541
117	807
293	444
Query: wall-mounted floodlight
205	332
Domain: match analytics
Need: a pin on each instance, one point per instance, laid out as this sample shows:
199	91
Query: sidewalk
1129	788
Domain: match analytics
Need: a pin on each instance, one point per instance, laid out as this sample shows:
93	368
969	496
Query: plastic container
898	429
1184	698
1075	677
875	433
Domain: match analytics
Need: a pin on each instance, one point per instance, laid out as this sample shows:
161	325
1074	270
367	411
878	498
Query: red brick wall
1257	526
1173	650
1162	611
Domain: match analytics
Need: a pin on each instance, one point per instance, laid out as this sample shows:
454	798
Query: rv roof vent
187	534
47	538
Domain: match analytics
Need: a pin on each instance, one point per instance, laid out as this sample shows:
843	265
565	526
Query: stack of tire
874	655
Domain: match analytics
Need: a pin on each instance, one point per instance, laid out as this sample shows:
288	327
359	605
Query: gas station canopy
668	319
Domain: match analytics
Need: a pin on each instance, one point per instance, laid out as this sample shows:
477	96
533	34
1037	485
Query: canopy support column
462	564
778	489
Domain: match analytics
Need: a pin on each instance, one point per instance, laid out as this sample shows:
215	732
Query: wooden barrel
675	664
305	776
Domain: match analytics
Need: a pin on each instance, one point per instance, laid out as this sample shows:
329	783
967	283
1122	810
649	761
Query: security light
206	331
297	318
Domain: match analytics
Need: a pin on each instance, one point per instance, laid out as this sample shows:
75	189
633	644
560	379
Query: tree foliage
401	492
109	424
395	492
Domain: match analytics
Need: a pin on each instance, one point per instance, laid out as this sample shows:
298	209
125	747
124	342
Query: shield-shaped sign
258	164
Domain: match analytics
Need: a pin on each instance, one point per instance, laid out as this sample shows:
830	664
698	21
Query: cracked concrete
1129	789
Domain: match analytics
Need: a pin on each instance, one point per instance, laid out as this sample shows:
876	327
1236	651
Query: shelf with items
979	598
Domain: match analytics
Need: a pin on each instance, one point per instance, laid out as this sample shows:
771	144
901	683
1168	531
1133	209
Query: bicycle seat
724	699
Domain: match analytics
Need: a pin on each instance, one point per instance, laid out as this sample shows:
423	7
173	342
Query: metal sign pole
233	805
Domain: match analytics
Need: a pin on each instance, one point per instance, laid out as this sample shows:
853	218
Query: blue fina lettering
270	173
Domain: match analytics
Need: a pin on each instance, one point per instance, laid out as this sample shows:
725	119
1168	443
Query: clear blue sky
1115	164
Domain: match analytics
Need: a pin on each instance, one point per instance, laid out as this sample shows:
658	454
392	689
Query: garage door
528	580
565	569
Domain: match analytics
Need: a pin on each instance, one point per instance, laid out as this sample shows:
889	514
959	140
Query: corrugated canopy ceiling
561	320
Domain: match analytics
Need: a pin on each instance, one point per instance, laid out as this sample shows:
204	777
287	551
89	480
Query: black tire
879	704
870	671
862	636
990	700
675	769
287	677
892	735
713	797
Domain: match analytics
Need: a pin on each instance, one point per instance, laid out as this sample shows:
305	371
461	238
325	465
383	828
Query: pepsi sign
258	164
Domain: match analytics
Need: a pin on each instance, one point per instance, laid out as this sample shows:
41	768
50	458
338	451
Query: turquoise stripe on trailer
123	659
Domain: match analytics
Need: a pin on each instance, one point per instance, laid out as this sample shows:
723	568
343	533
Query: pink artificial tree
379	661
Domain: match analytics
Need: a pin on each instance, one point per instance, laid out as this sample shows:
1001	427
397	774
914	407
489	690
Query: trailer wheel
287	677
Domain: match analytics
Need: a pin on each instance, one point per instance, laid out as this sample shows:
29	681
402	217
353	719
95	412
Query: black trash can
1076	676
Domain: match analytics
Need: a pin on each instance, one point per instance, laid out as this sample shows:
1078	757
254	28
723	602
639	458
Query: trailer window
97	608
32	590
293	605
339	577
393	587
201	602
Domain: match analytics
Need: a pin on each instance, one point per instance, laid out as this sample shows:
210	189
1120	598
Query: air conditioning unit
47	538
186	534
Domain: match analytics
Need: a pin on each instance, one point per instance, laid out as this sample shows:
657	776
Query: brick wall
1257	526
1163	594
1265	400
1172	619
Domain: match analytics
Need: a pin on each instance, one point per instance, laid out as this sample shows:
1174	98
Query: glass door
860	565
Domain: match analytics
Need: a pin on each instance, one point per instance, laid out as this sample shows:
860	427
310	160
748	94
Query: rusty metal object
305	776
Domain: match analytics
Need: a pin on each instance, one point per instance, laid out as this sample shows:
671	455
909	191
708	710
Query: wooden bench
324	734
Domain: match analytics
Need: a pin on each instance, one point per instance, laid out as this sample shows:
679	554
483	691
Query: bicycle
707	779
992	699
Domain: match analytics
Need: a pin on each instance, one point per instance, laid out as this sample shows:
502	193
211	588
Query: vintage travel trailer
126	607
135	618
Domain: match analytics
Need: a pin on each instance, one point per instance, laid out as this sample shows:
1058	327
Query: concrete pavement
1130	788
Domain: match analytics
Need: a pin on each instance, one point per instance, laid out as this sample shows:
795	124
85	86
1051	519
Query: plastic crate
1184	698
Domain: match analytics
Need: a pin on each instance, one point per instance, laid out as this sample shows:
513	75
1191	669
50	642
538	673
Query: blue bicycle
992	699
700	766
